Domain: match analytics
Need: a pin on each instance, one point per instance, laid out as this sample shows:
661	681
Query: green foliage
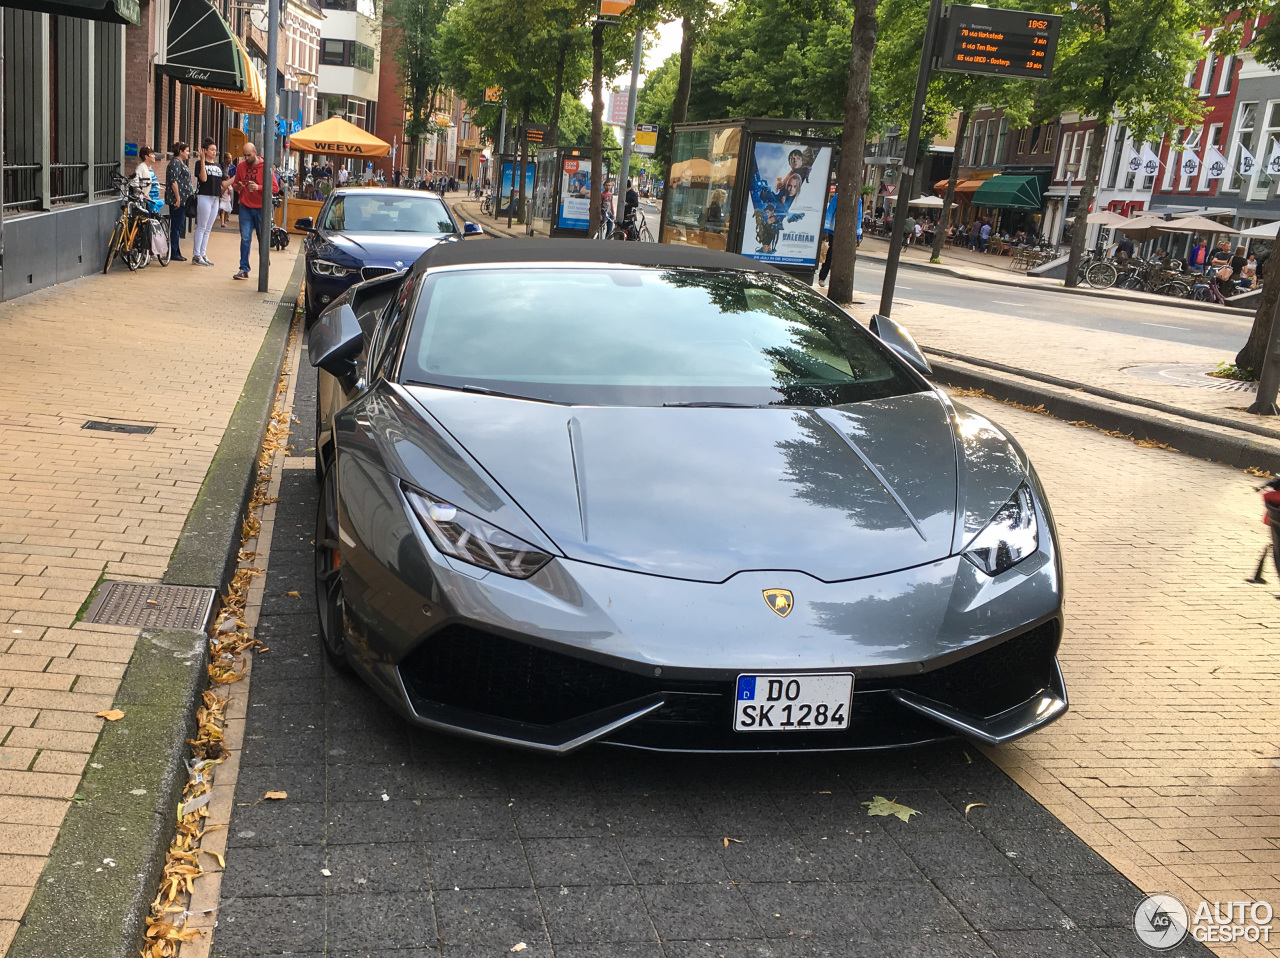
897	61
1123	56
575	126
413	33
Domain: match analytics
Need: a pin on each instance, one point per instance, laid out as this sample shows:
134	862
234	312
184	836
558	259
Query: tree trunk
679	106
597	122
944	221
1254	353
853	142
553	135
1088	190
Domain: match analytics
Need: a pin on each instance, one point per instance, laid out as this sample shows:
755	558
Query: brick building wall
139	95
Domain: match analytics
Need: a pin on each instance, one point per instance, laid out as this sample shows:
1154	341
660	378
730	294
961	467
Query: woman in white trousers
208	194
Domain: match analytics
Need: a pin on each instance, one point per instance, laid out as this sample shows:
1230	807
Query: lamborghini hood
704	493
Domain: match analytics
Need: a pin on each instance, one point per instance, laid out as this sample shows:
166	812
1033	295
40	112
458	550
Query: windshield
383	213
644	336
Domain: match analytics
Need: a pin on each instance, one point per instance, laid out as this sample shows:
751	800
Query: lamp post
268	146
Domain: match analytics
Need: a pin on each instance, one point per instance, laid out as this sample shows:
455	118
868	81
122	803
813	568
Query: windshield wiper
710	405
468	388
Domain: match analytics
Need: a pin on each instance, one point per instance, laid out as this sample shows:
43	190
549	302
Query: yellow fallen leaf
111	715
294	595
884	806
736	841
973	805
276	794
518	946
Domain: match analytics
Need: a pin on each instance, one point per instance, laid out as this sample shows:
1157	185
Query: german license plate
802	702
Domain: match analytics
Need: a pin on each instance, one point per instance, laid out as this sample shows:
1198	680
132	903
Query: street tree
894	69
853	143
412	27
1122	59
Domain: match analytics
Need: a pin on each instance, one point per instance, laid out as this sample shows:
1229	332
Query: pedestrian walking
909	231
395	179
829	231
225	201
343	176
209	197
248	185
178	190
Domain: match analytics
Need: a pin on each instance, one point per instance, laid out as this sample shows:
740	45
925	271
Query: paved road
1046	306
435	846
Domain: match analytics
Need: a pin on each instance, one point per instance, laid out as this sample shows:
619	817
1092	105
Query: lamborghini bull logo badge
780	600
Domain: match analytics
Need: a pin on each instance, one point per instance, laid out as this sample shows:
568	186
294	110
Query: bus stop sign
1008	43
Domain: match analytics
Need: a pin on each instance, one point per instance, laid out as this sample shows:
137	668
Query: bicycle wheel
113	245
1101	275
645	235
1200	292
1174	288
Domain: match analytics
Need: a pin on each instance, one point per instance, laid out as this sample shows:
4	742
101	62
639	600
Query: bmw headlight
470	539
1010	536
329	268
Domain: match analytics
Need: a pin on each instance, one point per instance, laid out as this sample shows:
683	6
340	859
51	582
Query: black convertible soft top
484	252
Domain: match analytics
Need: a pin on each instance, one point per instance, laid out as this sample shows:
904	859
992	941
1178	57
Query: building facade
350	54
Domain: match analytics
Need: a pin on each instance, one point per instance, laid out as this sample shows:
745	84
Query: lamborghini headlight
1010	536
328	268
460	535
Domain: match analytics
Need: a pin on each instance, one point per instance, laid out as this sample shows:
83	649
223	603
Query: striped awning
252	98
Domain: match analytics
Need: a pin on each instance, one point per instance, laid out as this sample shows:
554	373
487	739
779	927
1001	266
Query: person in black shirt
209	175
631	204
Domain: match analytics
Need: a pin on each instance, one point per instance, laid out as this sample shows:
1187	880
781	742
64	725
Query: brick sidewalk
168	347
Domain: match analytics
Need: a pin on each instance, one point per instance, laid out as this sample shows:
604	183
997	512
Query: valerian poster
788	184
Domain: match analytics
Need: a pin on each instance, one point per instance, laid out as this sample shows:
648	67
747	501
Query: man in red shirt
248	186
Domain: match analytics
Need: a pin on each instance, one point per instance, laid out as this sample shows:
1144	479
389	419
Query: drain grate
147	606
1189	374
131	427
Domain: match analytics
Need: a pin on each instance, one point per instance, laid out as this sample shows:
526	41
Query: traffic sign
613	9
1007	43
493	94
534	133
646	140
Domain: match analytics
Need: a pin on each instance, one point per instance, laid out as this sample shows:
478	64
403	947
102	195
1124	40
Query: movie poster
788	183
575	194
504	193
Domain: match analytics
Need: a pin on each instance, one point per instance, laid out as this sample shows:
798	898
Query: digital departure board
1002	42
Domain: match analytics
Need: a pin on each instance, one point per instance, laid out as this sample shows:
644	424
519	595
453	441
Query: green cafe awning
107	11
200	48
1008	192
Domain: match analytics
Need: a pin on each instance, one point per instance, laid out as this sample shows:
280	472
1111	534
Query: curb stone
1168	301
1219	445
92	897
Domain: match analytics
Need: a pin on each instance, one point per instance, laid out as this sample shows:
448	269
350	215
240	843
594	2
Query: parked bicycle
139	235
1096	271
635	229
1209	290
486	204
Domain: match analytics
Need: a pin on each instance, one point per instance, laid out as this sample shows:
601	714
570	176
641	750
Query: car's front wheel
329	601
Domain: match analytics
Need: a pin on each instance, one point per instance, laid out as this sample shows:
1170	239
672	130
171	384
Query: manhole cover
147	606
138	428
1190	374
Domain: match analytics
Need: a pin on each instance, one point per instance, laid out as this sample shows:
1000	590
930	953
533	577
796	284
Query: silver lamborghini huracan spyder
668	498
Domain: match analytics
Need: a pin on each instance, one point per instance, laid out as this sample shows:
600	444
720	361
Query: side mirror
900	341
335	341
472	229
304	223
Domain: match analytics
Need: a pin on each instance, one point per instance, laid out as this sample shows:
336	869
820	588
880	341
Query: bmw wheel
329	602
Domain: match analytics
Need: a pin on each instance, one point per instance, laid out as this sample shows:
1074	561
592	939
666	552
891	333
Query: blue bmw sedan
361	233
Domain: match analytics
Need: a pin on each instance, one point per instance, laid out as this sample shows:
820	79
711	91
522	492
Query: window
1001	138
1149	181
1171	160
347	53
1064	157
1211	64
1214	138
1118	156
1035	138
1022	139
1049	135
989	151
1262	186
1244	136
1084	153
975	143
1192	145
1226	74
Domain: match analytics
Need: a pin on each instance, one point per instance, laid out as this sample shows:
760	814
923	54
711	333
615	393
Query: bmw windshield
616	335
382	213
